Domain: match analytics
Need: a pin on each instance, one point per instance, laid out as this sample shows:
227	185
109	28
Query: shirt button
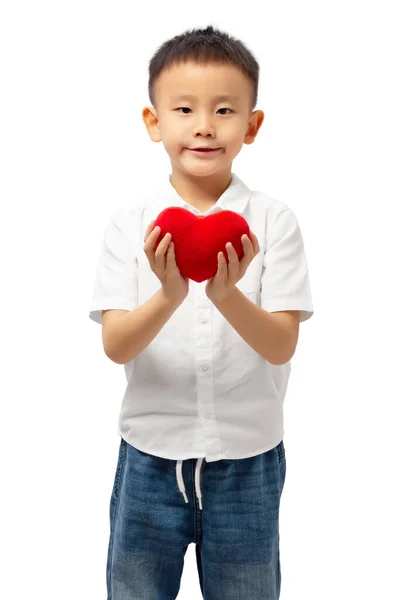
204	366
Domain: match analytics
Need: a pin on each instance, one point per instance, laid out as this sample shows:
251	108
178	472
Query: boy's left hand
220	286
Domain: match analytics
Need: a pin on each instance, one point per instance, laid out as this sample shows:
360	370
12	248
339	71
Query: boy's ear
255	122
150	118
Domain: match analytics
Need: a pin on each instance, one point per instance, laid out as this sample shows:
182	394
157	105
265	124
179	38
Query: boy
207	365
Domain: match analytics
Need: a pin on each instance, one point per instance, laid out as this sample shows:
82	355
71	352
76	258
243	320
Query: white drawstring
181	483
197	481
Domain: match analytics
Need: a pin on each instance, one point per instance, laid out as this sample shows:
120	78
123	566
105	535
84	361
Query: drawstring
181	483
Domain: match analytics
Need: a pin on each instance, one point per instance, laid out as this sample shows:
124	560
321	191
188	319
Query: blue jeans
236	532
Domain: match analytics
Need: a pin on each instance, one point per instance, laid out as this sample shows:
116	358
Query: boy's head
203	64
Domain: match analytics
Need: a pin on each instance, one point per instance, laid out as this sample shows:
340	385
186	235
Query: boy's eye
187	108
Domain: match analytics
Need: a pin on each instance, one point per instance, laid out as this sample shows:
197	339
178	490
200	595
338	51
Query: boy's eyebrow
218	97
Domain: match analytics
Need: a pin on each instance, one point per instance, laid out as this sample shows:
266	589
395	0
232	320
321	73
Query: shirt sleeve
285	281
115	284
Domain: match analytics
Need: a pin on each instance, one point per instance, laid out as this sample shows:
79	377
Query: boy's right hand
163	264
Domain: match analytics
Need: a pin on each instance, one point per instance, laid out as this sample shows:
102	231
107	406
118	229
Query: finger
149	247
247	258
249	245
170	256
151	237
254	242
232	254
222	264
163	245
160	253
149	228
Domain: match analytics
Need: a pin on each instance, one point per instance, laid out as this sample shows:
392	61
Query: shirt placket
204	370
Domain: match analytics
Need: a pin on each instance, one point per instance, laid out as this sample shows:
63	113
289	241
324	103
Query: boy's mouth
204	150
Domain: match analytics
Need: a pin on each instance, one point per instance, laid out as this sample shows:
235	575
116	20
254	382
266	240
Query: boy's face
202	120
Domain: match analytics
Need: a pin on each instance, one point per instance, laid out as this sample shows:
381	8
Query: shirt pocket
250	283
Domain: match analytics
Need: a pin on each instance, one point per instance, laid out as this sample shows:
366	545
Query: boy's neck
201	192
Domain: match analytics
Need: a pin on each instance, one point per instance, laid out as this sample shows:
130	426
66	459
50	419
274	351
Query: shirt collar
234	198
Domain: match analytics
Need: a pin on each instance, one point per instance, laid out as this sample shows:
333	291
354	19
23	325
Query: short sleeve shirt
198	389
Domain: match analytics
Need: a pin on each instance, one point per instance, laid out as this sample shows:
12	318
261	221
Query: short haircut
204	46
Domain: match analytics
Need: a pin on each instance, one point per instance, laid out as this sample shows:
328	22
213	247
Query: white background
73	149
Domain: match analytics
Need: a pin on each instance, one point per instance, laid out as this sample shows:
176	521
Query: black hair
204	46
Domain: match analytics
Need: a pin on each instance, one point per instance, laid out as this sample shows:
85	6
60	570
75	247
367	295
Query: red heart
198	239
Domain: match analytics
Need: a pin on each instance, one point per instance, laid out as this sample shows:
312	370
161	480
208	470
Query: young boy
207	364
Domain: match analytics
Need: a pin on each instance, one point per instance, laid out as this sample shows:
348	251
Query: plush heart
198	239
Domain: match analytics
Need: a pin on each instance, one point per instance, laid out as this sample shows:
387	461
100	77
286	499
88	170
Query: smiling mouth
204	150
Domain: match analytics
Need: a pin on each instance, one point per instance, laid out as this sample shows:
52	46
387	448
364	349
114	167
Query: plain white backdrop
73	149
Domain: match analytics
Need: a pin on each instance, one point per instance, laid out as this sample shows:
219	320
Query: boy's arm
129	334
273	335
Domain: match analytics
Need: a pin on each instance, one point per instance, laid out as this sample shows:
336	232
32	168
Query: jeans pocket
281	451
282	463
120	464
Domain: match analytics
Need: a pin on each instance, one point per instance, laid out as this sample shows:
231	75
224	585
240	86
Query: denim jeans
236	533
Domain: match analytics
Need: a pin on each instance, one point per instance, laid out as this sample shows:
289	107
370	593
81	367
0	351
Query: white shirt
198	389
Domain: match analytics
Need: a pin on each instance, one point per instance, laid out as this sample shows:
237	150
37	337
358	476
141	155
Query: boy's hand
220	286
163	264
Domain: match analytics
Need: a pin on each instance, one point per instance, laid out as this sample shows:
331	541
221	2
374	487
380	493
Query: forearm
134	331
266	333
